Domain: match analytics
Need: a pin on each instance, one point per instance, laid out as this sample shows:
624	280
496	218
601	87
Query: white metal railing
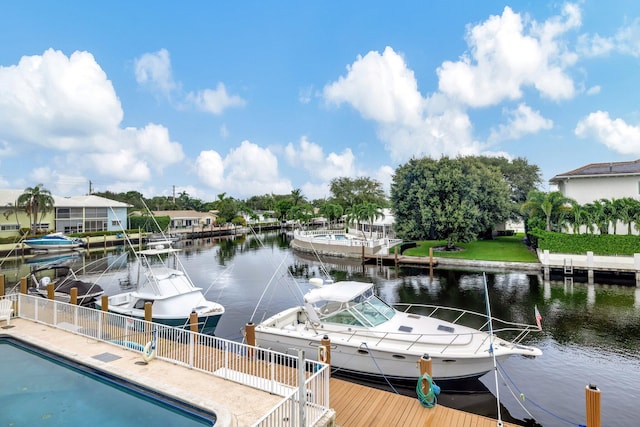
314	237
263	369
470	318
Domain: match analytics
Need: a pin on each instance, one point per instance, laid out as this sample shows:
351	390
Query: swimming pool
39	388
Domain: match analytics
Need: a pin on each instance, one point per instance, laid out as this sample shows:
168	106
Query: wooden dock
360	406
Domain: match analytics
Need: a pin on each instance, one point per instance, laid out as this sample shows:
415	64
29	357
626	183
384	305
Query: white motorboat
371	338
159	277
54	242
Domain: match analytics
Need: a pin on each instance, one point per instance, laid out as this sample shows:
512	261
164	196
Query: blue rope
428	400
536	404
379	370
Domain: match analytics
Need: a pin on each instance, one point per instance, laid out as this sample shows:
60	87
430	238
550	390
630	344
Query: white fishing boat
371	338
54	242
158	277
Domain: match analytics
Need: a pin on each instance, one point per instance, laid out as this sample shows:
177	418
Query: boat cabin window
374	311
344	318
140	303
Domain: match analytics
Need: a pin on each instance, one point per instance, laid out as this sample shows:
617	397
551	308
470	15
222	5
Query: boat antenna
493	354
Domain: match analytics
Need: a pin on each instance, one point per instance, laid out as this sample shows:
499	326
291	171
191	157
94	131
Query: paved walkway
233	404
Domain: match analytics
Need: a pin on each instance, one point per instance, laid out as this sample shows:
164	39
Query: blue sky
257	97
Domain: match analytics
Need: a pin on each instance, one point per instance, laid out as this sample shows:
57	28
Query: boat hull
366	358
206	324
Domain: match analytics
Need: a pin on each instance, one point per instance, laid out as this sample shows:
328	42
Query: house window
9	227
115	223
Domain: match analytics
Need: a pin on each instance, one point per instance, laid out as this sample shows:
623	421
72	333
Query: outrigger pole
493	354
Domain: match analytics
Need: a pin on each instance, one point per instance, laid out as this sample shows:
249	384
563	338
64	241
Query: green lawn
504	248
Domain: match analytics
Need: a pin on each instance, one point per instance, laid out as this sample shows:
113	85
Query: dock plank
360	406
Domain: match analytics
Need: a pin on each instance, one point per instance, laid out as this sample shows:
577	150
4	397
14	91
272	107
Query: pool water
47	390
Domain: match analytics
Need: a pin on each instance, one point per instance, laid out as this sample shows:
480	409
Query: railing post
1	285
593	406
302	390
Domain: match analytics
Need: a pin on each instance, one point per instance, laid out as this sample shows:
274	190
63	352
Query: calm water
591	333
38	391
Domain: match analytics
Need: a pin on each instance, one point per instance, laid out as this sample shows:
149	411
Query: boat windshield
367	312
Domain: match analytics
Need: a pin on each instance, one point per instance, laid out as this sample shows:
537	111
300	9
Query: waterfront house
595	181
70	215
188	219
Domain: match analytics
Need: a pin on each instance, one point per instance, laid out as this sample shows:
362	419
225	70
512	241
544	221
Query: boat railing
446	339
276	373
471	319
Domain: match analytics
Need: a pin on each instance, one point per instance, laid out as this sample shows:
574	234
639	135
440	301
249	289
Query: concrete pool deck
233	404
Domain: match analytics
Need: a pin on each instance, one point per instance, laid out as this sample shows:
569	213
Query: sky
264	97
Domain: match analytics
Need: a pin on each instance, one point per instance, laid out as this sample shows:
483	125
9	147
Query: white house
71	214
611	180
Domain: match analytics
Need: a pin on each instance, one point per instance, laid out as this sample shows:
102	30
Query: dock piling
593	406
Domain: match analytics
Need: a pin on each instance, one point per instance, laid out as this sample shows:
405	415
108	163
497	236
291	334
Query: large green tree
451	199
348	192
35	201
521	177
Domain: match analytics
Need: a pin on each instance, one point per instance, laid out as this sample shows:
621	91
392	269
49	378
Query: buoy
149	351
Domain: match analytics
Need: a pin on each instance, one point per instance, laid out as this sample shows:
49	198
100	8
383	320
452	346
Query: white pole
302	391
493	354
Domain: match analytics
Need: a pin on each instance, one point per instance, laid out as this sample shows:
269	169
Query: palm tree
36	200
548	205
331	211
297	198
370	212
626	209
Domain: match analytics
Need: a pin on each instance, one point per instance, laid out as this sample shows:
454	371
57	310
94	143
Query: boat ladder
568	266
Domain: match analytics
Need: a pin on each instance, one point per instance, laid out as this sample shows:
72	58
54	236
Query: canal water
591	332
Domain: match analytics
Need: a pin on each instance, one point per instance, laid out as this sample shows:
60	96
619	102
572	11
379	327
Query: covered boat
63	279
371	338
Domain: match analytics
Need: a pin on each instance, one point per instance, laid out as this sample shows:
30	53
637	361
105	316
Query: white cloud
305	94
440	133
210	169
55	101
316	191
311	157
214	101
504	58
521	121
380	87
247	170
593	90
154	71
616	134
65	110
625	41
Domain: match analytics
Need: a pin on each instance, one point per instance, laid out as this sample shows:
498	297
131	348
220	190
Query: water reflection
591	331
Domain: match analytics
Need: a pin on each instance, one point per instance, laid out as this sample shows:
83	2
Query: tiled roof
609	168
